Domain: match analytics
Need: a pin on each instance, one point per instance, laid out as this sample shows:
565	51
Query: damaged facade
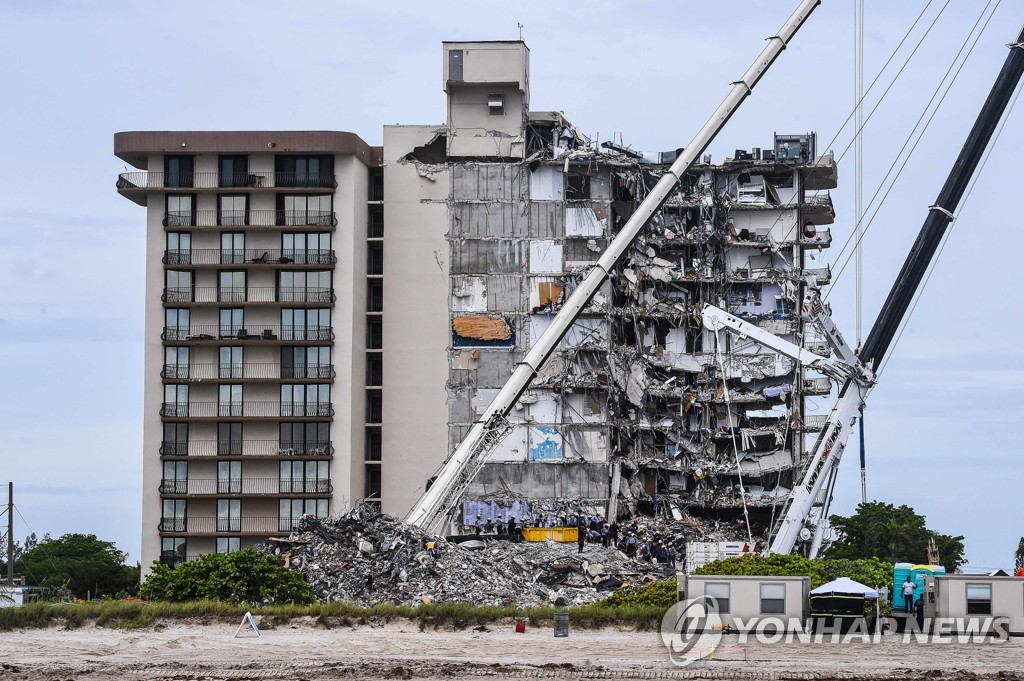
325	319
641	408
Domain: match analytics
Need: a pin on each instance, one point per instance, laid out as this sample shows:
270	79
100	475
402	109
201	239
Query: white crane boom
458	471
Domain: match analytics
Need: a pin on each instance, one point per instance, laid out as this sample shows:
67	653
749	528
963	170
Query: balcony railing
271	332
261	217
288	448
243	525
249	256
252	294
248	408
818	386
246	370
218	486
258	179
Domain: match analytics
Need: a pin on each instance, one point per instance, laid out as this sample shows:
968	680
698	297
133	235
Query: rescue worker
613	533
489	526
511	528
581	536
477	529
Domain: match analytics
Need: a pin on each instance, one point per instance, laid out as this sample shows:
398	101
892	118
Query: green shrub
241	577
868	571
663	594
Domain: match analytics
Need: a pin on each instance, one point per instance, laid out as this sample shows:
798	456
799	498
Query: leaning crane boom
458	471
828	449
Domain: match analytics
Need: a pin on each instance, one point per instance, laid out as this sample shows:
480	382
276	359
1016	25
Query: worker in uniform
581	535
489	526
511	528
477	527
613	533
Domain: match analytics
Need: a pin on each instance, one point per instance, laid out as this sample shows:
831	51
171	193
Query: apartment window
175	401
174	516
179	171
310	324
305	477
376	226
179	248
173	551
229	399
313	439
577	187
375	258
180	286
232	322
229	439
304	171
231	286
229	477
229	544
373	444
306	248
232	248
979	599
230	362
175	442
232	209
374	333
181	210
373	482
292	510
176	323
175	478
306	362
773	599
374	369
374	406
229	515
304	209
176	362
375	295
310	287
496	104
720	592
306	400
234	171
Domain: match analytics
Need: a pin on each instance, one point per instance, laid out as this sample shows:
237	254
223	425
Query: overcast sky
940	425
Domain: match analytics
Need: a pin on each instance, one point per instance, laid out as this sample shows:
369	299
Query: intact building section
256	349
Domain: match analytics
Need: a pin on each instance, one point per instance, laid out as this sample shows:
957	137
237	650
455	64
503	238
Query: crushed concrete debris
367	557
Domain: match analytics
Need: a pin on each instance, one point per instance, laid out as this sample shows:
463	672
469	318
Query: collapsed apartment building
326	319
641	409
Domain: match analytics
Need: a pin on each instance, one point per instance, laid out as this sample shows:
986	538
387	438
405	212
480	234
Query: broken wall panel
545	257
496	256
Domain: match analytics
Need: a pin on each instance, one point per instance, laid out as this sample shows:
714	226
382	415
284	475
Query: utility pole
10	534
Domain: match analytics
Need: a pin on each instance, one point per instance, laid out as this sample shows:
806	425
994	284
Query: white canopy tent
846	587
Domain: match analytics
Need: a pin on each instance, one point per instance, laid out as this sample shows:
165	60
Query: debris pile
367	557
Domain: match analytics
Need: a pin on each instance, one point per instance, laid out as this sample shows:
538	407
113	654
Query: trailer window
979	599
720	592
773	598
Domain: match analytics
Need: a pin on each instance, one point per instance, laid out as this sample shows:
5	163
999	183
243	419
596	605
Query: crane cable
910	136
945	239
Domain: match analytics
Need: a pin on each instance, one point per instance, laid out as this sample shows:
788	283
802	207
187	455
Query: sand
400	650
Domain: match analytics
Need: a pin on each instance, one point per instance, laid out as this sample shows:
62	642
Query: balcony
198	333
817	386
257	179
253	294
197	487
255	409
247	448
249	256
246	371
246	525
250	218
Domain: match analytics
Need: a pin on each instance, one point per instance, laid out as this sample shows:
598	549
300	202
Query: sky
939	425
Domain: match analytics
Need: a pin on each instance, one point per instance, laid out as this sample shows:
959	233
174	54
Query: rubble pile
367	557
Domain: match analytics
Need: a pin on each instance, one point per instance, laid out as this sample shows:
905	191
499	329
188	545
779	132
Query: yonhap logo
691	630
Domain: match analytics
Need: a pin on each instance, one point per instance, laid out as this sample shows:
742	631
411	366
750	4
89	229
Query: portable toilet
917	574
